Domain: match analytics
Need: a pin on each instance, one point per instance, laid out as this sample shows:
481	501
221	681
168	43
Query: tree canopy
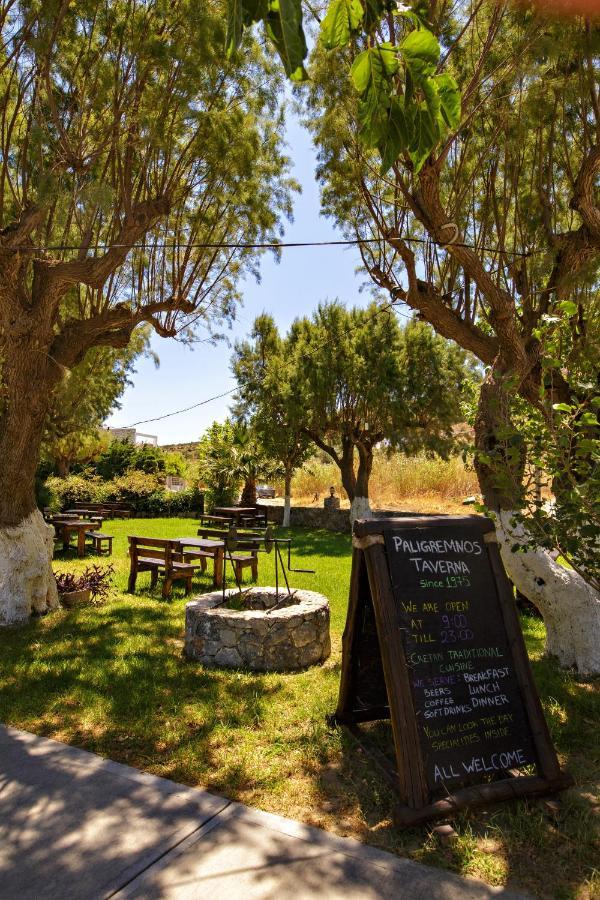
84	398
352	379
484	218
135	163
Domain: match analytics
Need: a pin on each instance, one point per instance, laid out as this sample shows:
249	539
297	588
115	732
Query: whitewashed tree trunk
360	509
287	502
27	583
569	606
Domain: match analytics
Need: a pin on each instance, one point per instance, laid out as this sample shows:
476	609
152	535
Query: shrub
135	488
76	489
143	492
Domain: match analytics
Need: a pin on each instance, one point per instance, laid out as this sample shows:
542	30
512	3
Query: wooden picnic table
235	512
74	526
85	514
210	546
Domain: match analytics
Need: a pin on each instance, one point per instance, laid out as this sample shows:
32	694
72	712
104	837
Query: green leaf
374	67
421	53
342	19
372	117
568	307
449	95
432	99
562	407
371	74
426	134
242	14
284	26
587	445
235	27
397	136
589	418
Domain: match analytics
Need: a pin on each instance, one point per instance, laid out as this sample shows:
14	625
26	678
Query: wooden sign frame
371	595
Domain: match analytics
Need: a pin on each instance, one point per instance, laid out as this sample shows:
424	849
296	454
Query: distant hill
188	451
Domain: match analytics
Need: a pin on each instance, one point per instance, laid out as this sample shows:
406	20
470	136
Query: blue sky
288	289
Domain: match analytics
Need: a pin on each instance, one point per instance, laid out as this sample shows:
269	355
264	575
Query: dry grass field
398	482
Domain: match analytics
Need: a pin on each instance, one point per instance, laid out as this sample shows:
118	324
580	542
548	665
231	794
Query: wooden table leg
218	578
81	542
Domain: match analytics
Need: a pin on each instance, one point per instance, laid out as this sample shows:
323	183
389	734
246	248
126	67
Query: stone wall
318	517
272	633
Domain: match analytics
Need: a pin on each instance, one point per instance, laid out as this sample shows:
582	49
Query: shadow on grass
520	843
113	680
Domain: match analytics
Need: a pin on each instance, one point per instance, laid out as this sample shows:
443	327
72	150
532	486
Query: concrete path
74	825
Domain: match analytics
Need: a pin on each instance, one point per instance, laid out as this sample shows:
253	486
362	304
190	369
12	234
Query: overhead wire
382	309
267	245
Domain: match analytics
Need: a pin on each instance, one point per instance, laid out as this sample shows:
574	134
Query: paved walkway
74	825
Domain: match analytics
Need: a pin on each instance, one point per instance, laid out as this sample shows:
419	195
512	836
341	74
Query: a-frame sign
433	642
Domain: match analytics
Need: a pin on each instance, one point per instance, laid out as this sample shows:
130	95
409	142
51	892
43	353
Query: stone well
267	634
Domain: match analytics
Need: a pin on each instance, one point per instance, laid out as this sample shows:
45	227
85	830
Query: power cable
271	245
383	309
178	411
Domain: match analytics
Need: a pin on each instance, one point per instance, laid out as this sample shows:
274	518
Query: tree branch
583	200
15	234
95	271
425	299
110	328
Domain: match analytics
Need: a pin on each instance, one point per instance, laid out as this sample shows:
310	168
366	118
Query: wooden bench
159	557
98	538
222	521
240	561
108	509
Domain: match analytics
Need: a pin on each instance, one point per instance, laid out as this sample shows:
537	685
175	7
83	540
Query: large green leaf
432	98
449	95
241	14
342	19
235	27
421	53
374	67
284	26
397	135
425	136
372	74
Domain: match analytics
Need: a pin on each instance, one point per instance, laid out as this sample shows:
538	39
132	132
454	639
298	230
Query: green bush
143	492
65	492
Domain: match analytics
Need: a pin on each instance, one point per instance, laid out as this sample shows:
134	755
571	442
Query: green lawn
112	679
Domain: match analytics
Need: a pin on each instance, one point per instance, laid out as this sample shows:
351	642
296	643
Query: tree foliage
232	458
404	106
491	229
352	379
132	158
83	400
264	373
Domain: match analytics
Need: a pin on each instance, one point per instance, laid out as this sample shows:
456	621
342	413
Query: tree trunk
346	466
361	507
26	542
287	502
569	606
27	583
63	466
249	492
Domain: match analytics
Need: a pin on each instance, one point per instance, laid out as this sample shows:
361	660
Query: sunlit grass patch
113	679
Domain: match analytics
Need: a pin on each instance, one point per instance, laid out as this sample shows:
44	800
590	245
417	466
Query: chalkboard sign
433	642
